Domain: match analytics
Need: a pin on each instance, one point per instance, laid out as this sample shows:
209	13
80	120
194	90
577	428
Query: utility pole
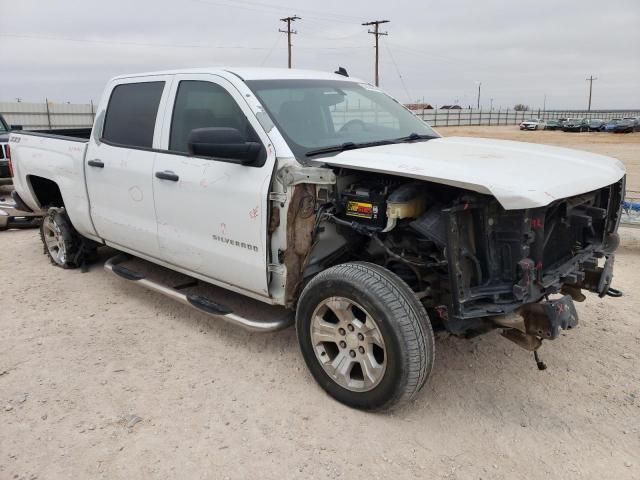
590	80
479	86
544	103
376	31
289	32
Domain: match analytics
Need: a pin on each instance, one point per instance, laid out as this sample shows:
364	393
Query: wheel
62	243
365	336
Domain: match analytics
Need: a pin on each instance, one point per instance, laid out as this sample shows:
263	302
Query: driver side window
201	104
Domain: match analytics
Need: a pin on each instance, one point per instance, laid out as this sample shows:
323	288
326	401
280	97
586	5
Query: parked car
625	125
13	216
611	125
596	124
576	125
368	232
532	124
635	121
553	125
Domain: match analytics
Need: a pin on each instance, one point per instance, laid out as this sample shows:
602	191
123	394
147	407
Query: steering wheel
353	123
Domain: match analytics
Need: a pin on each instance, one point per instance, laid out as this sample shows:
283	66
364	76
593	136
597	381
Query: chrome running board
200	303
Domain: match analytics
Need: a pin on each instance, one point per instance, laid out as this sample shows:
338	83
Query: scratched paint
253	213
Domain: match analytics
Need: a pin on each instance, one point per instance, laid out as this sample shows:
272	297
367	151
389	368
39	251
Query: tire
64	246
399	340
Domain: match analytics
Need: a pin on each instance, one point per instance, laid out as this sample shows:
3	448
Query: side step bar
198	302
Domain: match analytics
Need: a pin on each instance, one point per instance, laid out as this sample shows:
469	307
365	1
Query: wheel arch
45	191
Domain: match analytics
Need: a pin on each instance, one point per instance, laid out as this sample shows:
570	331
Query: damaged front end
502	264
474	265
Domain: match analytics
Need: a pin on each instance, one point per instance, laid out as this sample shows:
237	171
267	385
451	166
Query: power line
393	60
271	9
590	80
164	45
377	33
289	32
135	44
273	47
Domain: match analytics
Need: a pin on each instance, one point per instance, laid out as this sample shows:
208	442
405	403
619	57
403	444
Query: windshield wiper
351	145
412	137
347	146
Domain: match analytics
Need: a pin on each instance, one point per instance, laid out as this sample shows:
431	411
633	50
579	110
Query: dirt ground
102	379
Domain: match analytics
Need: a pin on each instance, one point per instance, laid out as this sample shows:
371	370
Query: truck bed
57	158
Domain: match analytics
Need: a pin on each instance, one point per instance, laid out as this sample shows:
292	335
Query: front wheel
365	336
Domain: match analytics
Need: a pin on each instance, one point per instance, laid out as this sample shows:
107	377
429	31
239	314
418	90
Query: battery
365	205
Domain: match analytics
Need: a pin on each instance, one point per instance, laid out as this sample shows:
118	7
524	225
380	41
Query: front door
212	213
119	166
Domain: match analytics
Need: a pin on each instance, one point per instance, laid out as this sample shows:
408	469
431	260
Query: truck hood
518	174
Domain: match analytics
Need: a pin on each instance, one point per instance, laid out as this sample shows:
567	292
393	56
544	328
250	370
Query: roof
249	73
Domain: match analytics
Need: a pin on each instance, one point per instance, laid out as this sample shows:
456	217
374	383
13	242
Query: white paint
518	174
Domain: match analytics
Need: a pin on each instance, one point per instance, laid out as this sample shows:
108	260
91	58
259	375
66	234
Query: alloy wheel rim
348	344
53	241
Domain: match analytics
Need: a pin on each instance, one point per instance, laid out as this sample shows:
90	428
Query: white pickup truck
322	194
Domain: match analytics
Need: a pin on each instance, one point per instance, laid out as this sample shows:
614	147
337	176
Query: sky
439	50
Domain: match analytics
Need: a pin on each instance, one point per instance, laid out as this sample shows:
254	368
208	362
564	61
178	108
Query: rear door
119	164
212	214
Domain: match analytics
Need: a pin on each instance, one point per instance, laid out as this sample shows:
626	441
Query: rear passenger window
203	105
131	114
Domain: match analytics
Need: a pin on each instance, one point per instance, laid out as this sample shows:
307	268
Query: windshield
317	114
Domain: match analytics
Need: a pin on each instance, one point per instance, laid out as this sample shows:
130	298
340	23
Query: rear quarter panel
59	160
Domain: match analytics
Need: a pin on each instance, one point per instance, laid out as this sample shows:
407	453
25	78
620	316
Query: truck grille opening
499	259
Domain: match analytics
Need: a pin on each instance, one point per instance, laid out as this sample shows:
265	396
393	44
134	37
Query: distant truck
322	194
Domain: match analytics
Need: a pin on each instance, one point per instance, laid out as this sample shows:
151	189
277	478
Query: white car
532	124
323	195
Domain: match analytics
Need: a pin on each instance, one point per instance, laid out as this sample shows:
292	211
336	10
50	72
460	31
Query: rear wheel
64	246
365	336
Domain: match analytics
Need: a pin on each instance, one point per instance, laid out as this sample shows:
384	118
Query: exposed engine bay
474	265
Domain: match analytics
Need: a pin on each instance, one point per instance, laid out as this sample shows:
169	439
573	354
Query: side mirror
16	127
224	143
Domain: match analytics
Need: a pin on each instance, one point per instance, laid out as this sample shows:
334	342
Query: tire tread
408	312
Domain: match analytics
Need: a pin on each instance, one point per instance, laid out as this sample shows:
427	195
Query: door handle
95	163
168	175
